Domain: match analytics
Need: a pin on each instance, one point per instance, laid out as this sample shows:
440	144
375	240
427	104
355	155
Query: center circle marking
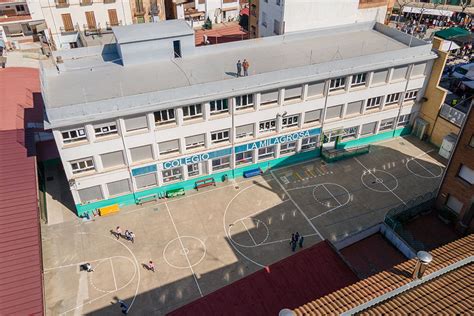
182	242
369	177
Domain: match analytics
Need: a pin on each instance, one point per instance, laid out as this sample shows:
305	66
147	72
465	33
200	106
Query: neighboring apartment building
457	189
19	18
171	113
197	11
253	18
67	18
148	10
278	17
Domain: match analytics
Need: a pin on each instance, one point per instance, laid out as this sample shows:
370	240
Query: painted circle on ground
107	266
248	232
184	252
419	169
379	180
331	195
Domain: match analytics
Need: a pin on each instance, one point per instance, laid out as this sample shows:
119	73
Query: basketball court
211	238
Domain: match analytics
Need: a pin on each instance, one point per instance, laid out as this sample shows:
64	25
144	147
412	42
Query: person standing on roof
246	66
239	68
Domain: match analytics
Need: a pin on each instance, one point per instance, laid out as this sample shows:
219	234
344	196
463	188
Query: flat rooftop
92	79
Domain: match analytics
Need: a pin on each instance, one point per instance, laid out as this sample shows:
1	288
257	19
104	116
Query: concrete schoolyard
211	238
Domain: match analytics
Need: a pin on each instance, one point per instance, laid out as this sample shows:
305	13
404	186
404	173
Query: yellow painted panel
107	210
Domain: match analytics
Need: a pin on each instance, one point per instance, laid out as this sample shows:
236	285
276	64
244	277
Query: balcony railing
109	25
109	1
453	115
69	30
62	3
85	2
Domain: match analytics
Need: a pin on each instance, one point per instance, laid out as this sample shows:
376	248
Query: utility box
447	147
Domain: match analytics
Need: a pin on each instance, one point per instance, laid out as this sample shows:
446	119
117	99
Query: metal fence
398	216
331	155
451	114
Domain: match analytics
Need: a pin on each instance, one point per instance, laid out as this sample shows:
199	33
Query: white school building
154	113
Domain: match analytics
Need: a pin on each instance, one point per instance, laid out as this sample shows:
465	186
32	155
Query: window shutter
399	72
193	139
112	159
418	69
312	116
467	174
380	76
454	204
333	111
269	96
141	153
170	145
113	19
146	180
90	194
293	92
368	128
244	129
136	123
354	107
119	187
316	88
67	22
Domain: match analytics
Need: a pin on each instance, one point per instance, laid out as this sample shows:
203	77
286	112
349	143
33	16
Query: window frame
267	154
195	145
221	166
354	131
359	82
189	109
377	102
159	120
223	138
337	84
82	170
411	95
307	143
404	122
244	159
78	138
287	149
195	168
172	177
290	118
458	174
220	103
241	98
272	125
390	98
385	127
168	151
105	133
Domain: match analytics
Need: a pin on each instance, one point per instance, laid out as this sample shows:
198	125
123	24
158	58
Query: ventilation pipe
423	260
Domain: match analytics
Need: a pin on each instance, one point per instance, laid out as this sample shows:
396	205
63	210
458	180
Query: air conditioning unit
420	127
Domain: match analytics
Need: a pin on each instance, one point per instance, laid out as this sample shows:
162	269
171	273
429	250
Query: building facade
121	141
19	18
457	189
197	11
277	17
148	10
68	19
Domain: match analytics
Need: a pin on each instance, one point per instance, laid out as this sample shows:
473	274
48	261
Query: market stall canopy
453	33
427	11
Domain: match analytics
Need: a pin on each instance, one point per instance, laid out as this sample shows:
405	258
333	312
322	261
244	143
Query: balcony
69	30
85	2
14	18
110	25
62	3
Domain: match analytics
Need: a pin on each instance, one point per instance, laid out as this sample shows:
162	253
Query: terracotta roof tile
449	292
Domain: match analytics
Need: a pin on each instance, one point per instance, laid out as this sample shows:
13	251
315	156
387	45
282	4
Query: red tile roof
307	275
21	283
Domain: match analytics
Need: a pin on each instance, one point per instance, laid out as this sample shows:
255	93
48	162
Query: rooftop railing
453	115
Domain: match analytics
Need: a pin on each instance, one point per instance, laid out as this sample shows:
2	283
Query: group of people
296	239
129	235
242	65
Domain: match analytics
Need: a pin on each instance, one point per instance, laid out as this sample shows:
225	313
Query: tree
401	4
464	5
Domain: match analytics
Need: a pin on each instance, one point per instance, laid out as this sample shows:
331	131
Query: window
264	18
334	112
354	107
135	123
290	121
454	204
467	174
266	152
379	76
168	147
172	174
164	116
373	103
471	142
220	136
404	120
105	129
196	141
177	49
146	180
192	111
91	194
244	131
293	93
82	165
118	187
244	157
312	116
418	70
411	95
358	80
20	7
74	135
193	170
267	126
316	89
368	129
350	132
113	159
309	143
141	153
276	27
277	2
337	84
399	73
386	124
221	163
392	98
244	101
287	148
219	106
269	97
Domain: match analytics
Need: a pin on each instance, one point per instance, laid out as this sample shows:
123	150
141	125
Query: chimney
423	260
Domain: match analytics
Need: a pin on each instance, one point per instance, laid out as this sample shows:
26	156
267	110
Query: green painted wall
375	138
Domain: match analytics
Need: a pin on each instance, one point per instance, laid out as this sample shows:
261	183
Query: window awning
427	11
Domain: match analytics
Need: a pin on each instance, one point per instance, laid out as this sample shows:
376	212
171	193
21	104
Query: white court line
332	195
255	243
76	264
281	240
425	168
376	178
113	274
296	205
184	250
